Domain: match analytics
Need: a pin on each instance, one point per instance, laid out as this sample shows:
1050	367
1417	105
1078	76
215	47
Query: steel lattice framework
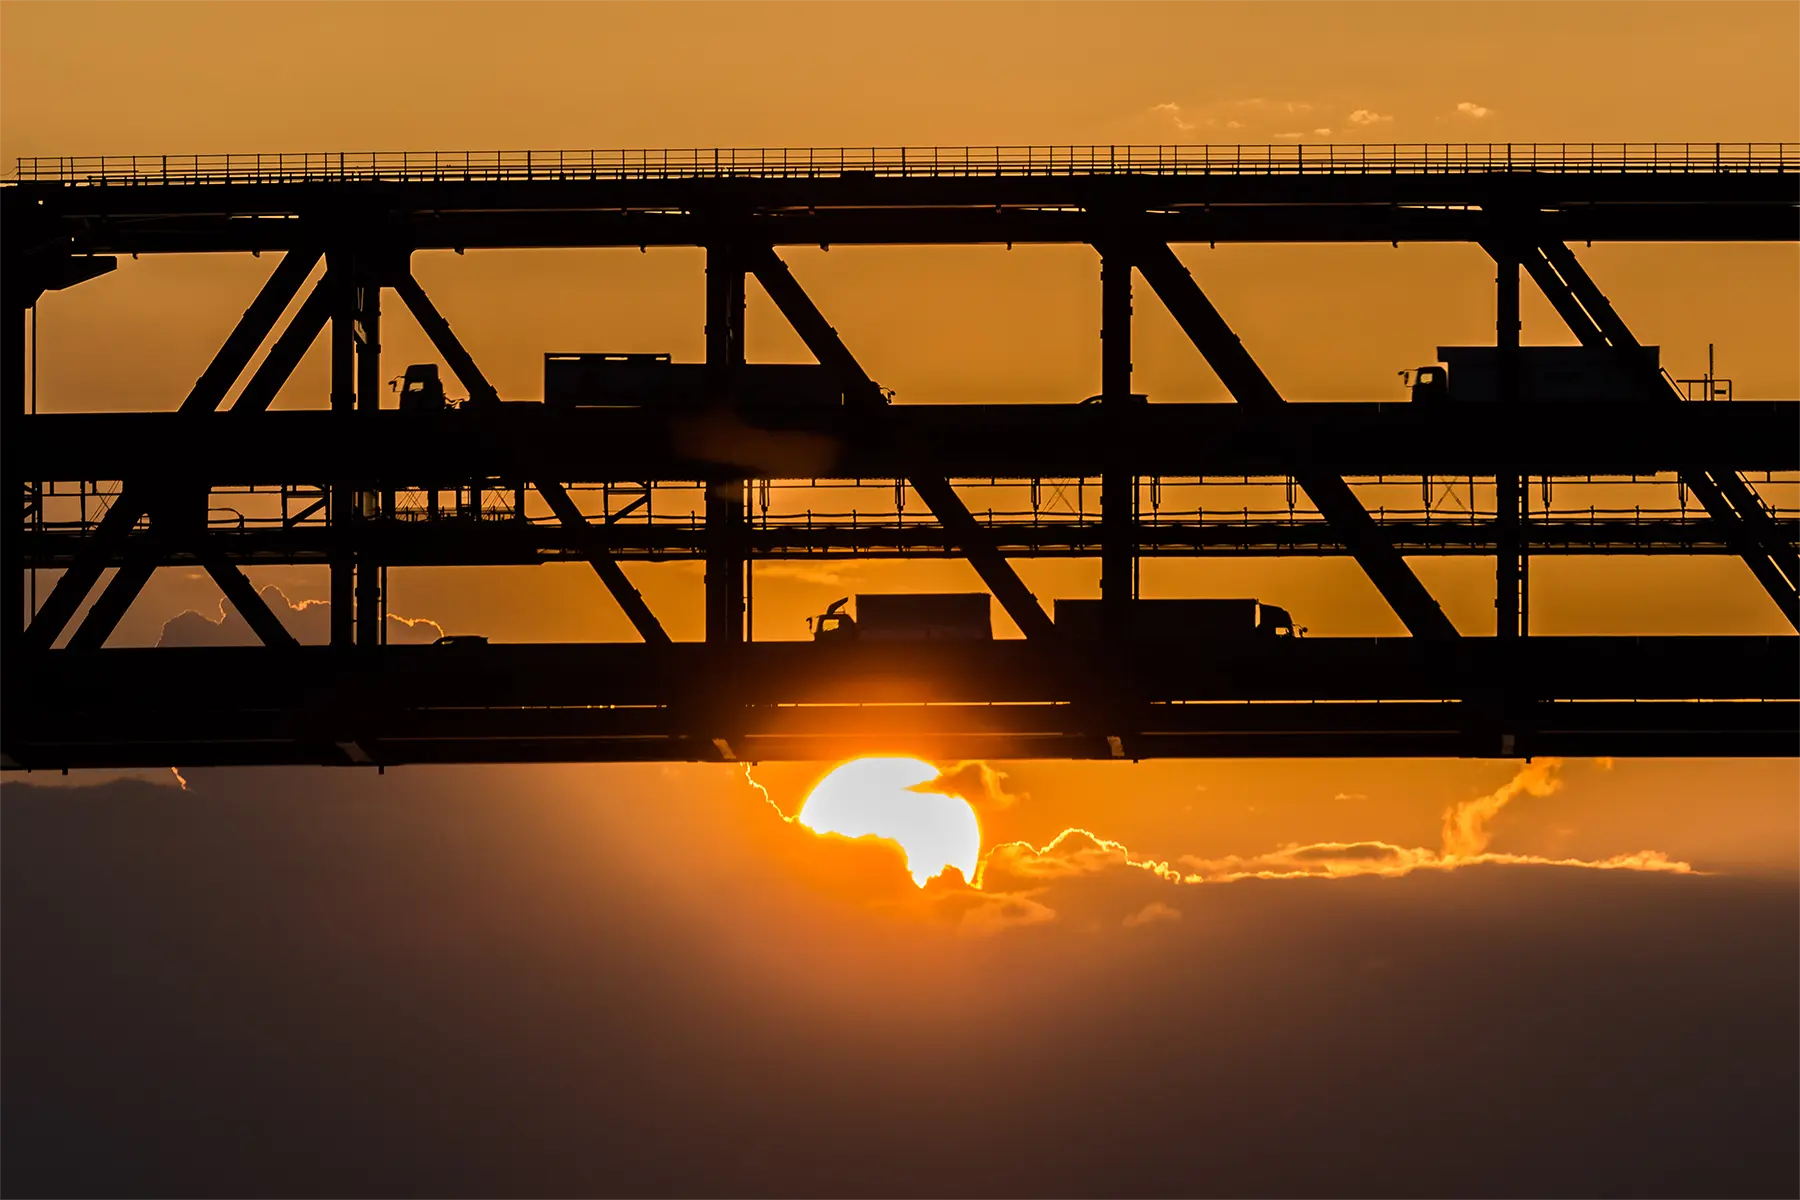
357	488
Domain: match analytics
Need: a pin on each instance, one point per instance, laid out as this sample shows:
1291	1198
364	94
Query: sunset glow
873	797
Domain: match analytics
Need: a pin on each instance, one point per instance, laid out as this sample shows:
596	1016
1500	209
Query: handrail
906	162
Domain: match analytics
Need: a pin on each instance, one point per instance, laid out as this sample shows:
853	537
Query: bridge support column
1118	486
726	511
366	328
341	271
1509	488
12	409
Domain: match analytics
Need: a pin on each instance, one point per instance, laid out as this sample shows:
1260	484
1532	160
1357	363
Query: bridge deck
1003	699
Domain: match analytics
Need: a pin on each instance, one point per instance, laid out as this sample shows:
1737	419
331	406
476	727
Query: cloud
829	574
1466	825
1156	910
1364	116
1070	853
1172	111
1092	882
1347	852
976	782
616	956
1351	796
995	914
1466	836
1322	132
1469	108
1283	137
308	620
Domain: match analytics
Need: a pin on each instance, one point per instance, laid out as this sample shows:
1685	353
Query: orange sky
639	979
984	324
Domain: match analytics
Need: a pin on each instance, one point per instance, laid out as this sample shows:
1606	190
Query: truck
908	617
1547	374
657	381
1180	620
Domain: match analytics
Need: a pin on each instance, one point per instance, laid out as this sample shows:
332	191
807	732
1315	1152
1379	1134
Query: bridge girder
1436	694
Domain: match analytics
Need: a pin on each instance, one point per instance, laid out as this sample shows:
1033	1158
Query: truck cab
421	390
1429	385
834	624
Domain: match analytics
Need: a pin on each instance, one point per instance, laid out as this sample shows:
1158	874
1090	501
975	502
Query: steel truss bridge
220	481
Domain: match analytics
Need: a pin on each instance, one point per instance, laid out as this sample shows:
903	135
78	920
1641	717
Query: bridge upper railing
900	162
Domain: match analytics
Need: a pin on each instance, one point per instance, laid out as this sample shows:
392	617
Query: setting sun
875	797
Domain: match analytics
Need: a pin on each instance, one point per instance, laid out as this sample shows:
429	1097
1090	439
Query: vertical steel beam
726	533
367	330
342	509
1118	486
1508	488
12	414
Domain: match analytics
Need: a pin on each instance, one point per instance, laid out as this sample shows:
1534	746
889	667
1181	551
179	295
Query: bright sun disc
871	796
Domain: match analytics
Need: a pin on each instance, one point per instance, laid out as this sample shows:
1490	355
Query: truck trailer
1179	620
908	617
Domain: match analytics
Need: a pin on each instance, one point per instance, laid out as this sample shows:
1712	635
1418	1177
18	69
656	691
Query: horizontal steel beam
1013	441
452	541
613	228
800	700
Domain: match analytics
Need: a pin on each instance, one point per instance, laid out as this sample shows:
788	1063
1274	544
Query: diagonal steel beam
1245	380
603	562
288	349
106	613
76	582
860	391
461	363
481	392
244	597
229	363
142	558
1733	504
208	392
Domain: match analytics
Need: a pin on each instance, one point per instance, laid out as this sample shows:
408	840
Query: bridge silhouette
631	459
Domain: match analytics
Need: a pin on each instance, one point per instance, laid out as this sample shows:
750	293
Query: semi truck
908	617
1180	620
1547	374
